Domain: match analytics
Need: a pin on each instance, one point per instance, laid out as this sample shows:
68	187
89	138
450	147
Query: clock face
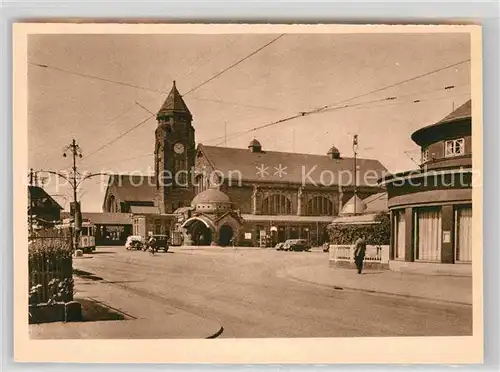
179	148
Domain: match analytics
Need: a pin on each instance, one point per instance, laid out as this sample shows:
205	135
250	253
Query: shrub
378	233
50	269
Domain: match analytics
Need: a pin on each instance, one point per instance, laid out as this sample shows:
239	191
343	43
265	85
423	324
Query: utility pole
355	150
77	217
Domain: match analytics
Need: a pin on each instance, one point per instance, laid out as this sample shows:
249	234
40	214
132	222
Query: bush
378	233
50	269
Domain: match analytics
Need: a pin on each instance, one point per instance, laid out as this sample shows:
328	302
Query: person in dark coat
359	253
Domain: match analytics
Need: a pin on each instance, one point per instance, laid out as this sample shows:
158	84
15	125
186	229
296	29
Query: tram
87	234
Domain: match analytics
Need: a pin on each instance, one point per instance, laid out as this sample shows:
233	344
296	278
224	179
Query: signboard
446	236
248	236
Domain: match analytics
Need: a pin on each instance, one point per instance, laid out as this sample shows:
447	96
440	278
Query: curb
216	334
336	287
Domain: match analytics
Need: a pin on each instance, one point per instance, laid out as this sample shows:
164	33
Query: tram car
87	234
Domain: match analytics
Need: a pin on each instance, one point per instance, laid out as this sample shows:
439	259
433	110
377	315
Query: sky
294	74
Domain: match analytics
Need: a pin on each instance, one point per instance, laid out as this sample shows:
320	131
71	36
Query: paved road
242	289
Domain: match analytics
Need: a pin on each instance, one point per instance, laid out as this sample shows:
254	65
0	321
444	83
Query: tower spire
173	104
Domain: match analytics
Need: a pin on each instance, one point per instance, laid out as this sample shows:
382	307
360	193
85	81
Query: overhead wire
316	111
233	65
276	122
117	138
145	88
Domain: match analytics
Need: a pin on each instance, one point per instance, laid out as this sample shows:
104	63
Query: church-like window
112	204
320	206
180	172
276	204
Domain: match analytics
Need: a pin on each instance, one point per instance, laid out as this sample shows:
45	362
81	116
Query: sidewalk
450	289
145	318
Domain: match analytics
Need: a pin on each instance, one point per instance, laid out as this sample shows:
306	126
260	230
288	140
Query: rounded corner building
431	207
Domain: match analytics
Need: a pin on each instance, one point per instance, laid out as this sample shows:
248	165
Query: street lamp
74	183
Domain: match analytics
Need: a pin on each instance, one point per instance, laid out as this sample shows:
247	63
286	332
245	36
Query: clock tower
174	154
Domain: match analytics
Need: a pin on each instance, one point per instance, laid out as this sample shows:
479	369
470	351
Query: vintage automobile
296	245
134	242
161	242
279	246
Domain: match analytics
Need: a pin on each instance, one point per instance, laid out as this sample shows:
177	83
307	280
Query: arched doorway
200	233
225	235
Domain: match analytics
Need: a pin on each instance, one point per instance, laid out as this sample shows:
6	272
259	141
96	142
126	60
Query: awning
286	218
361	219
142	209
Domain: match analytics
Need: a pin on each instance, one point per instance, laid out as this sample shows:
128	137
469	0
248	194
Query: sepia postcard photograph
248	193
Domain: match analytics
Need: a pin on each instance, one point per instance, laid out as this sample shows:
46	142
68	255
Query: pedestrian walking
359	253
152	244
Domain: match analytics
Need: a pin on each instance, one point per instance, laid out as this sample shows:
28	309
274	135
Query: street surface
245	291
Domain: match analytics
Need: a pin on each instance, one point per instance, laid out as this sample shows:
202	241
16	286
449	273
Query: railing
374	253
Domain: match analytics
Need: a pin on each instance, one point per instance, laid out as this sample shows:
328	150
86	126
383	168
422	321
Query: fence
343	255
50	268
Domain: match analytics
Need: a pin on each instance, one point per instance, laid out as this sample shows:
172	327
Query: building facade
281	195
431	208
243	196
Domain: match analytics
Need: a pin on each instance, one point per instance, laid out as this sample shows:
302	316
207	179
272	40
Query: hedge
378	233
50	268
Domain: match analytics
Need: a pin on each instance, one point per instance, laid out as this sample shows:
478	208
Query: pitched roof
39	194
353	206
462	112
454	124
264	166
133	188
174	103
376	203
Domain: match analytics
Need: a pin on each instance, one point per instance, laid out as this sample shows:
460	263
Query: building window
180	172
454	147
399	234
428	235
276	204
320	206
425	156
112	204
463	234
157	227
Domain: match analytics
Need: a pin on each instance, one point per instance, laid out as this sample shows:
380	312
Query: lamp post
72	180
77	217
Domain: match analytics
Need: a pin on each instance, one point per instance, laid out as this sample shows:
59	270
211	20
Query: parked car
134	242
296	245
279	246
161	242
